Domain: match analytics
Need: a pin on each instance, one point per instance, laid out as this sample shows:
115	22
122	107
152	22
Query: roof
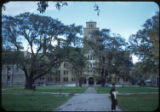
91	22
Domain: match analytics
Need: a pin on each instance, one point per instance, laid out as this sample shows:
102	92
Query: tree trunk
80	82
103	82
77	82
29	84
102	78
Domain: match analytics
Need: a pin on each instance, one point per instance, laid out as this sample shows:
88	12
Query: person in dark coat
113	97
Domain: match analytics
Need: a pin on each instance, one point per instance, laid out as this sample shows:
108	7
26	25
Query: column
94	82
86	81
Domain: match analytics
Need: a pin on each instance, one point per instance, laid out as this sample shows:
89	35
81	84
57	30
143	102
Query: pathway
88	101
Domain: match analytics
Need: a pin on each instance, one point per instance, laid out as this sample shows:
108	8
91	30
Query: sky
124	18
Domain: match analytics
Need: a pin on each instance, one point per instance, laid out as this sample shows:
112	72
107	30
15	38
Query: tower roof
90	22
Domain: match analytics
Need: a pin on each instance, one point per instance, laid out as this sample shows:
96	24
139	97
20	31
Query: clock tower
90	72
90	27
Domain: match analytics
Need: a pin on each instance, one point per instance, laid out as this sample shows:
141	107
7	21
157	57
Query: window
90	57
49	78
73	79
58	72
65	65
8	77
90	25
57	79
89	35
90	65
65	72
65	79
41	78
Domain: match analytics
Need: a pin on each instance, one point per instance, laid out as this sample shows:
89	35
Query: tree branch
52	64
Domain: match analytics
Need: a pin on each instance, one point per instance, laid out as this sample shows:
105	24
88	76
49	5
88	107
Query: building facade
12	75
90	73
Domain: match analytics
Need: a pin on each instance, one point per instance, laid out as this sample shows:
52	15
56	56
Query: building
89	72
13	75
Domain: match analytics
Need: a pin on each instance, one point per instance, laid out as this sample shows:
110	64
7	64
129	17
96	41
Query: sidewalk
88	101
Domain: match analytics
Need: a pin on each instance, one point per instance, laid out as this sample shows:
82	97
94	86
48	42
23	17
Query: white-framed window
65	72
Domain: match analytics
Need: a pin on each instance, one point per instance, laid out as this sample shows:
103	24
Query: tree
77	59
111	53
40	32
145	44
42	6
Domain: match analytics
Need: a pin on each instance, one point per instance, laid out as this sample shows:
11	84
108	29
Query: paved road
88	101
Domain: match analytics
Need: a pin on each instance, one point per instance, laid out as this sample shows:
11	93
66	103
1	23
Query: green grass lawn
62	89
49	89
18	99
126	89
32	102
147	102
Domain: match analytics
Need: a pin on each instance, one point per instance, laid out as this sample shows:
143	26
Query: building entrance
91	81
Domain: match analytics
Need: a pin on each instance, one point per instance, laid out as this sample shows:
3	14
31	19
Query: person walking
113	93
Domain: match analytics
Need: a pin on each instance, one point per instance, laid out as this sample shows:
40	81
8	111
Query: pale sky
124	18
